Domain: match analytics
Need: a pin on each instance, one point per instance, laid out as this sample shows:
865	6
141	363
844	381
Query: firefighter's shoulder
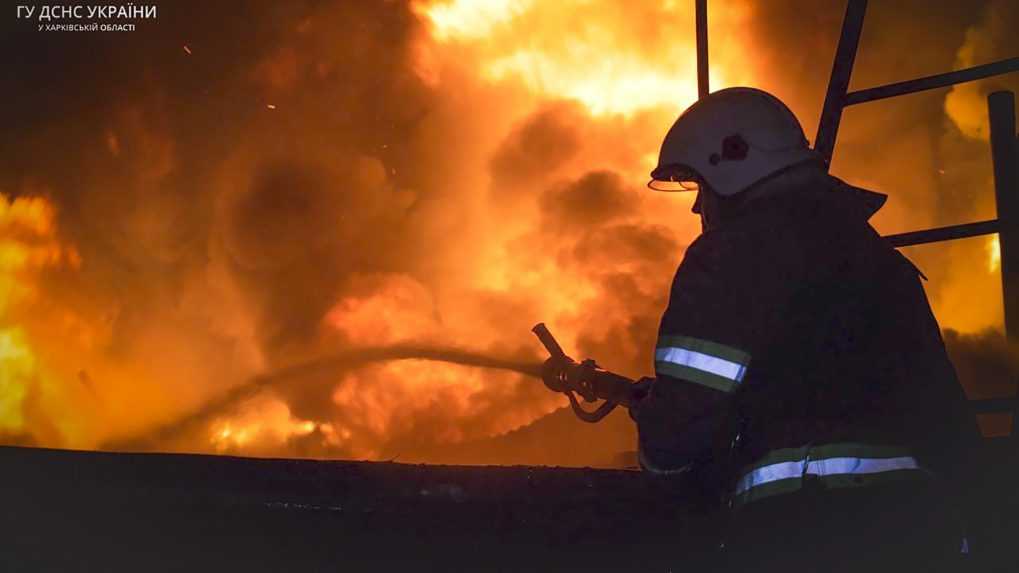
726	307
734	265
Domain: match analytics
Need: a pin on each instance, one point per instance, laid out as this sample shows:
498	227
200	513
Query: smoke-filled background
214	228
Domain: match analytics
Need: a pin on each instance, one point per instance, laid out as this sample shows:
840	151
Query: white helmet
730	139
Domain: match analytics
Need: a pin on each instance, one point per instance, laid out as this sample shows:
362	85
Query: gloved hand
641	388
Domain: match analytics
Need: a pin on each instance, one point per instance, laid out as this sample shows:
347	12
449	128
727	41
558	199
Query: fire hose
563	374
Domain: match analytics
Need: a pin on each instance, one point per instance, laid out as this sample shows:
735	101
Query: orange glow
474	19
263	424
27	246
414	389
17	367
993	254
599	59
616	84
395	309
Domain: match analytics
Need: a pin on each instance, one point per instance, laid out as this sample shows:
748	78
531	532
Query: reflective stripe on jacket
838	465
701	361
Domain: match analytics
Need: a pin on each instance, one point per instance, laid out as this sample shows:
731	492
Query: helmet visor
674	178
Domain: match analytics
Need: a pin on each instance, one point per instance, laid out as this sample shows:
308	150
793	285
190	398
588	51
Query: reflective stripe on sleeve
770	477
701	362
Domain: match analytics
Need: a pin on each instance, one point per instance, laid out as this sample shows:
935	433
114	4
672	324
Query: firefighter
800	372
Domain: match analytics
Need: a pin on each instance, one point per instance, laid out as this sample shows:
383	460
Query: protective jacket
799	348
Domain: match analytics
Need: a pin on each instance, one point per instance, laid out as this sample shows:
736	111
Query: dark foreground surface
77	511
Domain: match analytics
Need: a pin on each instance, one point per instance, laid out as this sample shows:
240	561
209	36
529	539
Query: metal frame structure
1004	153
701	13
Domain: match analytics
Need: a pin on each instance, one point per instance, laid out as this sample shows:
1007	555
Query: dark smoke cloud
297	229
538	146
588	203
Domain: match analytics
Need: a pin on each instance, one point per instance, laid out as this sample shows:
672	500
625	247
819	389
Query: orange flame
264	424
28	246
602	60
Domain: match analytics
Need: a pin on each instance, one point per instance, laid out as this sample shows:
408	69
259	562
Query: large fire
599	60
28	245
443	176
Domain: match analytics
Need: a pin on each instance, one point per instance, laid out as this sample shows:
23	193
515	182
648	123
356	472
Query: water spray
340	362
560	374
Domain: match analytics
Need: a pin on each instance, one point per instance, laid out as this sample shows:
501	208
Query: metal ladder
1004	154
